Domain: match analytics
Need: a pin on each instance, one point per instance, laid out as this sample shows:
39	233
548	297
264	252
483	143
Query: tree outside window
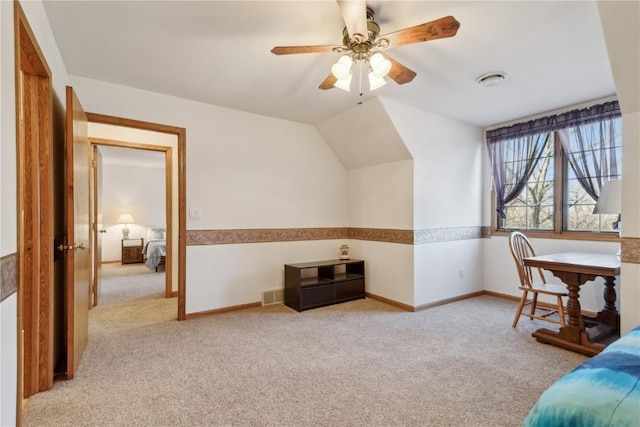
579	152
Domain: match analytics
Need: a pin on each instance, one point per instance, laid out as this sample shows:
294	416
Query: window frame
561	169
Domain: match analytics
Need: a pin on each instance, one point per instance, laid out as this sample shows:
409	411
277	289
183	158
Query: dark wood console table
575	269
316	284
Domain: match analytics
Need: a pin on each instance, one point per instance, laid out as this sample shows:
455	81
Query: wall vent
272	296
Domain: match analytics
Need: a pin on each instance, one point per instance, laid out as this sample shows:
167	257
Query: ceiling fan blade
328	82
289	50
354	14
399	73
438	29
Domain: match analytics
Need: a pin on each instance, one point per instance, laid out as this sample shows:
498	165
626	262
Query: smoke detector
491	79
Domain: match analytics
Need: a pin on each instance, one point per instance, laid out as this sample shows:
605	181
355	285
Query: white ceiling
218	52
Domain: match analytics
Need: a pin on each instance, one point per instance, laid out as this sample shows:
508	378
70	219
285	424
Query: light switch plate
195	214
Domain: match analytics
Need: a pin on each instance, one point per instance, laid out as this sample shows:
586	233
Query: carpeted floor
362	363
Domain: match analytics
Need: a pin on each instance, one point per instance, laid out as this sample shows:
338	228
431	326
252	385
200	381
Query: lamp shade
344	84
380	66
610	200
125	218
375	82
342	69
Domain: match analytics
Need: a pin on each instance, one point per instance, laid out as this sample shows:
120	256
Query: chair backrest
521	248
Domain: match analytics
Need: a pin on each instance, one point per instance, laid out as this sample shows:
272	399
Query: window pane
532	209
540	217
596	150
516	217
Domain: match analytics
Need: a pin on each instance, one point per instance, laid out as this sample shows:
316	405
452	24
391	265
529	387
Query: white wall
438	269
388	269
222	276
630	224
138	190
447	194
8	183
447	169
243	171
8	360
621	27
382	197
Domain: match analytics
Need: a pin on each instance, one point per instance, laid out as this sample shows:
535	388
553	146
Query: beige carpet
130	296
361	363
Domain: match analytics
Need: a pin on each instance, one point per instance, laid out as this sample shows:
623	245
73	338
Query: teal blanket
602	391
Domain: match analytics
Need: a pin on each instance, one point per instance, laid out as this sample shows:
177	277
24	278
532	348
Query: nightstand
132	250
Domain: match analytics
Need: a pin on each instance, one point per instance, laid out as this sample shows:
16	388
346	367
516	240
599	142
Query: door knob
103	231
80	246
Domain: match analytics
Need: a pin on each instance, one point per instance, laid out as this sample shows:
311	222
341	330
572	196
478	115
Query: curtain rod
553	112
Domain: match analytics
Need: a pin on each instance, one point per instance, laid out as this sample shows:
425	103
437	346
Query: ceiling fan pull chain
360	82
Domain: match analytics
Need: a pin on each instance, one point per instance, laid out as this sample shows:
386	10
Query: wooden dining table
587	335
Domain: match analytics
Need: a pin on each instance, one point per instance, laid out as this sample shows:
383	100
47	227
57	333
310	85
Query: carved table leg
573	306
609	315
609	294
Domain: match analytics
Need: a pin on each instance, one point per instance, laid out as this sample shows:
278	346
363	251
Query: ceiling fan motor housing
361	46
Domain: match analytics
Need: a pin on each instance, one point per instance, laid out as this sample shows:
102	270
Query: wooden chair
521	248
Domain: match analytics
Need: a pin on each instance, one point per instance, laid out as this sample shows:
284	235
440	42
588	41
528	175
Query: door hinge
94	163
94	226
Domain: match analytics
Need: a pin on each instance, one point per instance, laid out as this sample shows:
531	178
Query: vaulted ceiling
218	52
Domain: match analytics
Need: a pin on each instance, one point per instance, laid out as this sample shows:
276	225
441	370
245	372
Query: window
548	172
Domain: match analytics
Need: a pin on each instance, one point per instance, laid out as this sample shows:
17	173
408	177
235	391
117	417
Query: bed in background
155	250
602	391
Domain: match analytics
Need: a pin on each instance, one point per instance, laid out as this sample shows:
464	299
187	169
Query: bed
602	391
155	250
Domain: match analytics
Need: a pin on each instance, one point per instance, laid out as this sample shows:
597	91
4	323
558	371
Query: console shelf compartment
316	284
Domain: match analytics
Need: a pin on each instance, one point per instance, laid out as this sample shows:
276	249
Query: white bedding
154	250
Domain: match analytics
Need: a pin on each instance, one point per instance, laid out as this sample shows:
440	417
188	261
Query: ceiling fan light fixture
380	65
342	69
491	79
375	82
344	84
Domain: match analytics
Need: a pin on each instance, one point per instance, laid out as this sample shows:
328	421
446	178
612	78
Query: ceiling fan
363	45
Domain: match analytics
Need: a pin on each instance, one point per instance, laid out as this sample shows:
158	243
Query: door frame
96	224
180	209
168	174
34	145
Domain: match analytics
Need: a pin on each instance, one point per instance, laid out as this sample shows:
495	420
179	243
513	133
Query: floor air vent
273	296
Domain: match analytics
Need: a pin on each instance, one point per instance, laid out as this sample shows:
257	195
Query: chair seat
547	288
521	249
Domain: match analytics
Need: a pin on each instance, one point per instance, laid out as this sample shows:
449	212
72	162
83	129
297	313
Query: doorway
107	130
131	185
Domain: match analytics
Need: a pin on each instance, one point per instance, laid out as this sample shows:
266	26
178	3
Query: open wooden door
78	224
96	226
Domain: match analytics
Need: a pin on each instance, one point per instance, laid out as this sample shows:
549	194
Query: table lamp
610	202
125	219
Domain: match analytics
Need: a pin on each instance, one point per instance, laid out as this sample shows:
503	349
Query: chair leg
534	304
523	301
561	312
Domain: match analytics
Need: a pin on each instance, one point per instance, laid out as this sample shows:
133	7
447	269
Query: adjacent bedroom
133	206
